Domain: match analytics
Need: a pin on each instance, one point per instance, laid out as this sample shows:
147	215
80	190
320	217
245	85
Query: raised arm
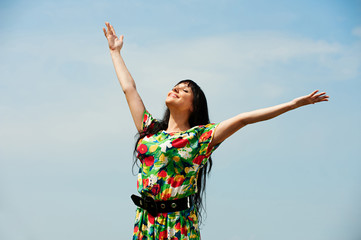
126	81
230	126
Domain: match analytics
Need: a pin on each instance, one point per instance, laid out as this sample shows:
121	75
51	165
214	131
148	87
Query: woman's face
180	98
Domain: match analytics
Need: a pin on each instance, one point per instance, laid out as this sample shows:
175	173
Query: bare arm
232	125
126	81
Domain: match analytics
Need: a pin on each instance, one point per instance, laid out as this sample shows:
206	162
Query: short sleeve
206	137
148	120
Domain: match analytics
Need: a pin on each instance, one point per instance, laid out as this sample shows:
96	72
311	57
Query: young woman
175	153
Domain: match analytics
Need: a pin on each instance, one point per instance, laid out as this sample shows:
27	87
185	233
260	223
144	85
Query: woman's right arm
126	81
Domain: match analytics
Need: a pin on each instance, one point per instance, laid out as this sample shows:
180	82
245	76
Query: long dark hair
199	116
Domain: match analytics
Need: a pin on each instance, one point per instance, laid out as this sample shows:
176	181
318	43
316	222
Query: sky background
67	137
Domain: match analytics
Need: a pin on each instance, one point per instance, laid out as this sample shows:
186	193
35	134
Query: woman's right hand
115	43
311	98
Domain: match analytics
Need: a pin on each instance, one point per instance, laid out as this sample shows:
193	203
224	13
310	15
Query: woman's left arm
232	125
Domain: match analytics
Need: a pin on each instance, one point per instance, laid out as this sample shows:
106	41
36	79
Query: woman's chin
169	101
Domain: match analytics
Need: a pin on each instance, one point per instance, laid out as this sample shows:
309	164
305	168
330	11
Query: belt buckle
150	205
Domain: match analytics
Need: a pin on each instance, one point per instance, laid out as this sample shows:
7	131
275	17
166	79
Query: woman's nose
175	90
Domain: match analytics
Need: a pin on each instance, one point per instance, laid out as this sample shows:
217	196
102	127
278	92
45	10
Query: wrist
293	104
114	51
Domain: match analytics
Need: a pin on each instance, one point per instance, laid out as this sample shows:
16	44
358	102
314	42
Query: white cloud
231	68
357	31
237	56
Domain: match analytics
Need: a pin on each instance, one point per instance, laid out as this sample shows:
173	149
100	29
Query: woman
175	153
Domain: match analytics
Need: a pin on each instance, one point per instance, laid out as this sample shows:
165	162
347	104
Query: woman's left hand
311	98
115	43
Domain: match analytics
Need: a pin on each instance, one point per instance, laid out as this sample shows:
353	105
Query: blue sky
66	135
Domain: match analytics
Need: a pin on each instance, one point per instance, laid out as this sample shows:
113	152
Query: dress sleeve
206	136
148	120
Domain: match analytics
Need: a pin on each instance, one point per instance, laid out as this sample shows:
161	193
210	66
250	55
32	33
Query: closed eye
185	90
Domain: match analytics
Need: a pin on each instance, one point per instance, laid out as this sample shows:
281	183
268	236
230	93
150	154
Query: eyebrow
186	86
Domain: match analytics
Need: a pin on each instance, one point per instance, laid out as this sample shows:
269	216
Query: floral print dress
169	166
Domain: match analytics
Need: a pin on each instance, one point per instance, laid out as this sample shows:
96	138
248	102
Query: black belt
155	207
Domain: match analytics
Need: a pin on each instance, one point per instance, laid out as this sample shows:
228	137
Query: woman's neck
178	121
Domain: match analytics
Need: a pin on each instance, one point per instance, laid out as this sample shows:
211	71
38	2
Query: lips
173	95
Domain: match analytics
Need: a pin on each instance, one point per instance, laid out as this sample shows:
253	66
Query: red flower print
205	136
176	181
145	182
163	235
184	230
136	229
166	196
145	118
177	226
150	219
170	180
149	161
142	148
155	189
162	174
198	160
180	143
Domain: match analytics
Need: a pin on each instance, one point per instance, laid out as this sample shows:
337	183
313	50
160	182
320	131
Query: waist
154	207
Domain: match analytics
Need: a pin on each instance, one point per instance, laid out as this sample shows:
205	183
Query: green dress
169	166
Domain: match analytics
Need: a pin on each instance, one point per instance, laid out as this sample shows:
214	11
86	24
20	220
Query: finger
320	94
113	30
121	37
105	32
323	98
314	92
108	26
